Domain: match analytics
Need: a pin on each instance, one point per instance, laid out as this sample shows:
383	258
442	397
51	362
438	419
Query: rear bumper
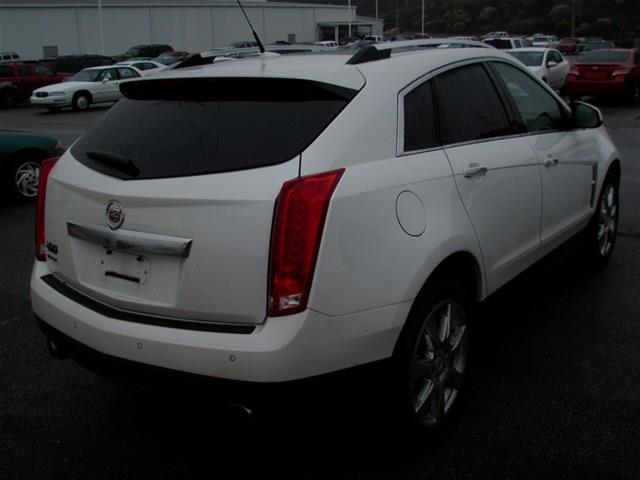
281	349
592	87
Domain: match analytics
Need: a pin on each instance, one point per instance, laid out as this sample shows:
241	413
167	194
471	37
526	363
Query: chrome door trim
130	241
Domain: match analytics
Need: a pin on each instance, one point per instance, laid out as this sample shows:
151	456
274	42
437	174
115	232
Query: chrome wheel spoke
422	368
422	395
444	329
456	337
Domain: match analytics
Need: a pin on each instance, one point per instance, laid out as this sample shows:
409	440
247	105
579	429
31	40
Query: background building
73	26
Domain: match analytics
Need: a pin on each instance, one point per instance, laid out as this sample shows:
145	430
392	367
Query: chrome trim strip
130	241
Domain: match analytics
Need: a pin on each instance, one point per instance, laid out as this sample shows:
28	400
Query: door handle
474	169
550	162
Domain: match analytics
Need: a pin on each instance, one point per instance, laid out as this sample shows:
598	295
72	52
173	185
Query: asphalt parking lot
555	391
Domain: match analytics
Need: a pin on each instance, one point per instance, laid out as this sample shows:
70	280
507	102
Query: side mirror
551	64
585	115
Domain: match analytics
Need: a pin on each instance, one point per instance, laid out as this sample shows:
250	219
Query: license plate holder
125	267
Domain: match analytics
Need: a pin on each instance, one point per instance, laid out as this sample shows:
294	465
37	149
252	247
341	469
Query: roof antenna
255	35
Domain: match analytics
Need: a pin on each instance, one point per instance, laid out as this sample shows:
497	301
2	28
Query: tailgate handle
130	241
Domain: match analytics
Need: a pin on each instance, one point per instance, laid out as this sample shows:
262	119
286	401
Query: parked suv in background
277	218
18	80
506	43
75	63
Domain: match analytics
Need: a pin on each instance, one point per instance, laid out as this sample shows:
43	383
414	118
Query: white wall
75	28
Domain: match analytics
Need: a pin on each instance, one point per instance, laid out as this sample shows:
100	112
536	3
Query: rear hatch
165	206
600	64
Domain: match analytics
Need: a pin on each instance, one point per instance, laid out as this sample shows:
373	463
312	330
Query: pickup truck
19	79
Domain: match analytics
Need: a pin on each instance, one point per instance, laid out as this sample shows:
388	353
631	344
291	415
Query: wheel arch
86	92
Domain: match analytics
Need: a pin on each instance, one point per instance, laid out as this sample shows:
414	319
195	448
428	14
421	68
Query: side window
109	75
6	71
24	71
44	71
127	73
469	106
419	119
538	109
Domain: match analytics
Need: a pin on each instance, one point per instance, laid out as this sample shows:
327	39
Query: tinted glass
419	119
44	71
605	56
530	59
469	106
171	128
538	109
86	76
6	71
24	71
127	73
500	43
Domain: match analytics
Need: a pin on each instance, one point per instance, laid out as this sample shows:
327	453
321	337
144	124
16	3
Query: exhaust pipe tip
56	350
237	416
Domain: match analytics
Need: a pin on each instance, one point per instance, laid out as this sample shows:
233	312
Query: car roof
400	68
103	67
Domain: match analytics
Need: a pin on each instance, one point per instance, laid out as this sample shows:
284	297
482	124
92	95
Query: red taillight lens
45	170
300	212
620	71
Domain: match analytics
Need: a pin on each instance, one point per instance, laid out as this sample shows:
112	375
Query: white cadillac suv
279	218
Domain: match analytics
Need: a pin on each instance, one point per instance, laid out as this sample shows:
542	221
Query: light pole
573	18
423	18
101	26
349	7
376	8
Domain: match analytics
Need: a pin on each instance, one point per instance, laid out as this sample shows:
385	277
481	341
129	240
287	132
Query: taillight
574	71
45	170
620	71
300	213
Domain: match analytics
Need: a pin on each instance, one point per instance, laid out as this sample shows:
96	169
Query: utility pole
376	8
423	18
101	26
349	7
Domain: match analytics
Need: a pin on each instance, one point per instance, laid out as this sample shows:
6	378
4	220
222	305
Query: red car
568	45
19	79
614	71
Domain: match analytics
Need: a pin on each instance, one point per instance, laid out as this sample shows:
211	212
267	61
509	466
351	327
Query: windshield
86	76
530	59
606	56
168	60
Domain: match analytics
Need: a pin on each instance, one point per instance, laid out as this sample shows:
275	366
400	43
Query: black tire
22	177
81	101
633	97
8	98
427	379
602	230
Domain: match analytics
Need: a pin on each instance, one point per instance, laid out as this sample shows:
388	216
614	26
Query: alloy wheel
26	179
607	220
439	362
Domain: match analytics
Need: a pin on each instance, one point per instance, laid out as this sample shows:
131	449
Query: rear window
605	56
530	59
499	43
171	128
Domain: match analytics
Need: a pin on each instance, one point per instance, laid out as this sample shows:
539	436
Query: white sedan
89	86
143	67
546	63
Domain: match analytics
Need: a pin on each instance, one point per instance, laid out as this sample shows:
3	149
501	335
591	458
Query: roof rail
381	51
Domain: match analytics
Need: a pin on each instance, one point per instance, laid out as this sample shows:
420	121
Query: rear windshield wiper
116	161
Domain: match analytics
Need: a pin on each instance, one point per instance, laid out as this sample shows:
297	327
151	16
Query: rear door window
419	119
469	106
180	127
